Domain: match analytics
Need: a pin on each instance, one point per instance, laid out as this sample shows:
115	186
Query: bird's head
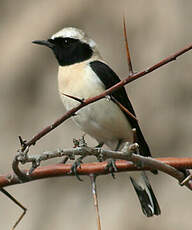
70	45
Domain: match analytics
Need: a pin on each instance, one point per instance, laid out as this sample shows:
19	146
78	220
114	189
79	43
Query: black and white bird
82	74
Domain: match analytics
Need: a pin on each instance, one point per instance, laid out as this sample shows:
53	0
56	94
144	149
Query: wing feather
110	78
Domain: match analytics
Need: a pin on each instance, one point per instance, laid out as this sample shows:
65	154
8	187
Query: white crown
71	32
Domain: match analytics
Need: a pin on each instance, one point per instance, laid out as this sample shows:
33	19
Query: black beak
44	43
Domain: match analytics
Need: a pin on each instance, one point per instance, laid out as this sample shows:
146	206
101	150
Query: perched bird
82	74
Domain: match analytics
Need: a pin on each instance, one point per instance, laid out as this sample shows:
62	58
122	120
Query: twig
105	93
127	48
17	203
94	192
20	173
188	178
15	164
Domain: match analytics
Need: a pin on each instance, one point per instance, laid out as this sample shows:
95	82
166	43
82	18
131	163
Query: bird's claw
75	166
64	160
100	145
111	167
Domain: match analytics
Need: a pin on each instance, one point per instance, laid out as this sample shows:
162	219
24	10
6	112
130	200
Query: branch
170	166
127	80
99	169
94	193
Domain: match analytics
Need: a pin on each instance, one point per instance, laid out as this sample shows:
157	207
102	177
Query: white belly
103	120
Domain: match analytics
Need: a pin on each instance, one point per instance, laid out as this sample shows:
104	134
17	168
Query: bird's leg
111	166
79	161
118	145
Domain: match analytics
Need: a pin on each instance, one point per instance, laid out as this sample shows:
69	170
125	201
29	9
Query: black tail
148	201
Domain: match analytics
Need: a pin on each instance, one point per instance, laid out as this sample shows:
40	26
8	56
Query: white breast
103	120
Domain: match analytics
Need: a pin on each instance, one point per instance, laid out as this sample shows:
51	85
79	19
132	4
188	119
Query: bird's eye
50	40
63	42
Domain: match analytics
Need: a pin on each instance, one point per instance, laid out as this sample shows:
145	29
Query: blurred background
29	101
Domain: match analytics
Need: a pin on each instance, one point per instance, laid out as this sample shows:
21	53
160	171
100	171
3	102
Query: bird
82	74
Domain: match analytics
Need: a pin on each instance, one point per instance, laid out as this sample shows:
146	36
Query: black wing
109	78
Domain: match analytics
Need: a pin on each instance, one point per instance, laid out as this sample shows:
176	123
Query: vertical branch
127	48
94	192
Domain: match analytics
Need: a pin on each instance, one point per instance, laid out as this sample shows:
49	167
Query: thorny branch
23	157
84	102
99	169
129	79
170	166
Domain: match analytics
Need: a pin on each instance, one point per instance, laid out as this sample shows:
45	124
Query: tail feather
148	201
157	210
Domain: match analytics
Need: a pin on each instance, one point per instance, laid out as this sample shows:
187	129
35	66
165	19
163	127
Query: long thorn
94	192
123	108
127	48
74	98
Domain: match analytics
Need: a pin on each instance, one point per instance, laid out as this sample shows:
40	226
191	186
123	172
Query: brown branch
105	93
100	169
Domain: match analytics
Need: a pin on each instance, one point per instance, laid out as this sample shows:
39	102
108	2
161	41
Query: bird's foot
111	167
75	166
